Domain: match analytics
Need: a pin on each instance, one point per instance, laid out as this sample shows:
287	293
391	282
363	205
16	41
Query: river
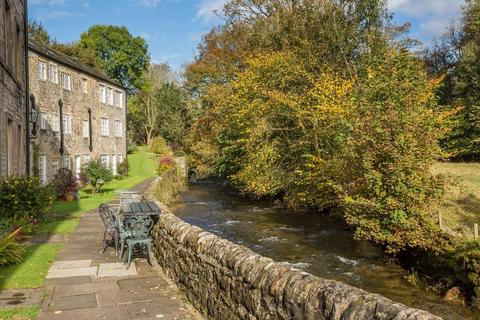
313	242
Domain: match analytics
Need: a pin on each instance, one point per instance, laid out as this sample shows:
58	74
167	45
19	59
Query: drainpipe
60	105
90	146
27	91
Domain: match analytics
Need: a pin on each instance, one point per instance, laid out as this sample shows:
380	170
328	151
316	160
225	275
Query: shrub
28	225
168	186
165	163
97	174
131	147
25	197
159	146
65	182
123	168
11	252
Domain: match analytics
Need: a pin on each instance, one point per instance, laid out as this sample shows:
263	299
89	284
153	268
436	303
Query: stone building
13	115
82	113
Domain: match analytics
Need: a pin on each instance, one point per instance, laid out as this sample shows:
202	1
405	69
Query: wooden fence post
475	231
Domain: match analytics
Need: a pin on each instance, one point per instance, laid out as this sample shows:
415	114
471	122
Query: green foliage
168	186
25	197
322	106
97	174
38	33
123	168
11	252
65	182
118	53
159	146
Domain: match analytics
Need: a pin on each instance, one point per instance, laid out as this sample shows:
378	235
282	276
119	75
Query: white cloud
208	8
53	14
49	2
431	16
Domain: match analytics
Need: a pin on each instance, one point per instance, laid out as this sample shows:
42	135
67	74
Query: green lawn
31	272
462	202
142	166
26	313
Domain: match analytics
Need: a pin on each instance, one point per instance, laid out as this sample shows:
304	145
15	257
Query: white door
78	166
114	164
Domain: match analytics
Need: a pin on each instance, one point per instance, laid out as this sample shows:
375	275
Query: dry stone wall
228	281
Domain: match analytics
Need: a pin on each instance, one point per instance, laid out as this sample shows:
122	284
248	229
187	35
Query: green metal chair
122	233
139	227
107	215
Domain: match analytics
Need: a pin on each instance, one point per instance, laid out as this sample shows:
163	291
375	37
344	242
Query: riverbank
316	243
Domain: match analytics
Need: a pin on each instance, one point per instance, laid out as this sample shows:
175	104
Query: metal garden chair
122	233
139	226
107	215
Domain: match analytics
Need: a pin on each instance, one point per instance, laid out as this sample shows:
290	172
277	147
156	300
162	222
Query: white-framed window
104	126
105	160
114	164
53	73
78	166
67	124
85	129
118	128
42	168
54	167
66	81
66	162
102	90
86	158
55	123
43	121
84	85
110	96
118	99
42	70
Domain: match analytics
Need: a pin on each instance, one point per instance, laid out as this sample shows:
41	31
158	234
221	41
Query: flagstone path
84	284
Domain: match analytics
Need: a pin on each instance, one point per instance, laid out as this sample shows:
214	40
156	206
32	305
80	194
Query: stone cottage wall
228	281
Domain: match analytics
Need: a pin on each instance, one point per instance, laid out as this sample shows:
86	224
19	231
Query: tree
119	54
38	33
159	108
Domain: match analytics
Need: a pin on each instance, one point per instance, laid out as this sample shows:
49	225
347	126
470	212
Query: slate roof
70	62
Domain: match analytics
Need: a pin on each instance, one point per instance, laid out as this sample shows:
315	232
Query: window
86	158
53	73
118	99
43	121
66	162
54	167
118	128
78	166
66	81
110	96
42	70
104	126
86	129
67	124
42	168
114	164
55	123
104	159
8	33
103	93
84	85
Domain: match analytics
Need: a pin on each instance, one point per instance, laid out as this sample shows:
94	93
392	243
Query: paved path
83	284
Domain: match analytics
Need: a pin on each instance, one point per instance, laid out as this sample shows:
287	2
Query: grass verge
32	271
26	313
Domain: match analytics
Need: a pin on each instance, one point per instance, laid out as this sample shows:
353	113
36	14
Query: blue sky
173	28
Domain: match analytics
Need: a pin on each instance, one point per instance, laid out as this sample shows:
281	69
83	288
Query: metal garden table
144	207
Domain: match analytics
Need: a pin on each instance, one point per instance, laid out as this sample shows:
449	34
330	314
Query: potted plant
66	184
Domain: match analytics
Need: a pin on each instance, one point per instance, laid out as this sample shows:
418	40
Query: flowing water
312	242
